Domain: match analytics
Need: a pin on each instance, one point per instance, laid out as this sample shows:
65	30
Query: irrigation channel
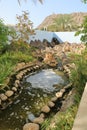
38	89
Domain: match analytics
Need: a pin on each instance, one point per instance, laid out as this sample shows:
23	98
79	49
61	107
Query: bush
79	75
3	36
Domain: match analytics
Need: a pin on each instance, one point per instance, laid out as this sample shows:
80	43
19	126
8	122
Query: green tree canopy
4	32
85	1
83	30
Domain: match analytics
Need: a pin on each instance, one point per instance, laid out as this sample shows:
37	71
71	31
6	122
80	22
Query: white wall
61	36
68	36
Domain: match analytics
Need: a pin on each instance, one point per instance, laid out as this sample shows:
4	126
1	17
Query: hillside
62	22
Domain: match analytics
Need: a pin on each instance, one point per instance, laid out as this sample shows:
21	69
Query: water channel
38	89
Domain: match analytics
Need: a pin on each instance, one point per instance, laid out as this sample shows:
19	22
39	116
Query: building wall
61	36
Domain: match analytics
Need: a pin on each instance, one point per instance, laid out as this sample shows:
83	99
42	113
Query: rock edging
48	108
12	90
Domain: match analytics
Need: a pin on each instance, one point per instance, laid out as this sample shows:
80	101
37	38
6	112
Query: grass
9	60
64	120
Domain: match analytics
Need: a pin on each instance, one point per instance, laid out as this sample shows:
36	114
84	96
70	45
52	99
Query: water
38	89
45	80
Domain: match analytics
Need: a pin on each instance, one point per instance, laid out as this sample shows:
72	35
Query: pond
38	89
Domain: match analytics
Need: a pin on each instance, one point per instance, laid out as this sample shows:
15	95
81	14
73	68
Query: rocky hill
73	20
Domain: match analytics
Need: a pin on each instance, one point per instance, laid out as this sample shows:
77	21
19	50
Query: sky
37	11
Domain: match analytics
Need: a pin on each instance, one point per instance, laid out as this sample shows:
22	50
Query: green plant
79	74
83	31
45	124
4	32
84	1
64	120
9	60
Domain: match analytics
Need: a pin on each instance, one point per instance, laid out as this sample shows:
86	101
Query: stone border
7	96
46	109
12	90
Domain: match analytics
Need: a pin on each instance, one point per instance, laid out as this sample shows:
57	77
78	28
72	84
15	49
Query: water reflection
45	80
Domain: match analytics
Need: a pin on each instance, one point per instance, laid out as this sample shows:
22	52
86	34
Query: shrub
3	36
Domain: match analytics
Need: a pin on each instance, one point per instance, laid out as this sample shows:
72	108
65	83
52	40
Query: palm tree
26	0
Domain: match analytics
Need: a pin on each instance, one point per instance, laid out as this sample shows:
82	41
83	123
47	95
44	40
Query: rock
16	85
28	70
45	109
42	115
54	99
56	86
63	90
3	97
67	86
0	101
17	82
51	104
31	126
50	60
34	67
9	93
19	76
38	120
59	94
14	89
37	67
31	116
17	101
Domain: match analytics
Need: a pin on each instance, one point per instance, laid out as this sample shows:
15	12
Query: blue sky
37	11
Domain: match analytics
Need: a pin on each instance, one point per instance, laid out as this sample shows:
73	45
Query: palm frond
19	1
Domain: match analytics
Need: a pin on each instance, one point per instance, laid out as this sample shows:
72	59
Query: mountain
62	22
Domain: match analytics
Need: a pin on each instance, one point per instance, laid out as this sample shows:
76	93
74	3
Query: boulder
9	93
38	120
45	109
31	126
3	97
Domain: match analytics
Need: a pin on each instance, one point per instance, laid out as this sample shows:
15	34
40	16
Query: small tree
83	30
4	32
24	27
85	1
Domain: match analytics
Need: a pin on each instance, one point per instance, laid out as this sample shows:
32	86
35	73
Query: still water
37	90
